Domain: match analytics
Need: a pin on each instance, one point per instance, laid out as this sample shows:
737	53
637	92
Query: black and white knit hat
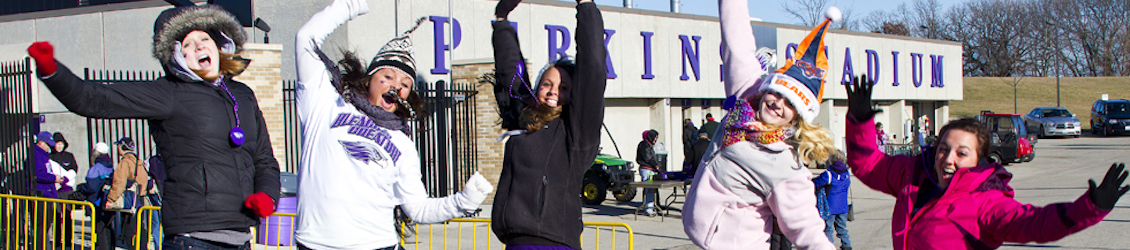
174	24
397	54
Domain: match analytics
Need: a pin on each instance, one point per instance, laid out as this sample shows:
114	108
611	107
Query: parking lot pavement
1059	173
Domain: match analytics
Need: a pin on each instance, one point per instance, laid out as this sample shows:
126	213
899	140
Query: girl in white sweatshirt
358	162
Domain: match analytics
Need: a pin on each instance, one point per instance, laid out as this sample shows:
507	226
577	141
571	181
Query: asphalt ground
1059	173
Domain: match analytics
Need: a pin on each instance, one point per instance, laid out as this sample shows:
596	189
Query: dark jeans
396	247
181	242
779	242
104	229
64	226
44	213
839	223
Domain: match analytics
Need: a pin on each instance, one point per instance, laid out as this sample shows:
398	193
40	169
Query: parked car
1110	117
608	173
1052	121
1009	138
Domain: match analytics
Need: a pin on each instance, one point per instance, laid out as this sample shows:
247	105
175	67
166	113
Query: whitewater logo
363	127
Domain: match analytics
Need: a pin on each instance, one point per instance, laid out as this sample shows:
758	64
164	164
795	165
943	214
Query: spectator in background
99	175
831	195
128	171
67	161
45	185
699	148
689	134
882	137
649	167
710	126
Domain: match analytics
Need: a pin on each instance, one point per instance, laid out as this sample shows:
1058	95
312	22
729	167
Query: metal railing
41	223
437	236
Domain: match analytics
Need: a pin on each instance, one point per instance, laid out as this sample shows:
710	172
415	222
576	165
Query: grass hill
1077	94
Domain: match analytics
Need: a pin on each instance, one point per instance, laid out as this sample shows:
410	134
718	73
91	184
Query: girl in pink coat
950	197
753	176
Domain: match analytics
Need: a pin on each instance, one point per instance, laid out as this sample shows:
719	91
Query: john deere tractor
608	173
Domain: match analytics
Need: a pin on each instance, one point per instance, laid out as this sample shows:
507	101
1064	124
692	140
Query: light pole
1055	48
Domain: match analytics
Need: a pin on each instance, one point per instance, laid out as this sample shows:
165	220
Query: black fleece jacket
537	200
208	177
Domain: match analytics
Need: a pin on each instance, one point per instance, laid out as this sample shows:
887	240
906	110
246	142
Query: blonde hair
813	143
229	66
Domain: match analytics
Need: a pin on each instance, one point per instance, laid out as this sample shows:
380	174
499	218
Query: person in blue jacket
831	195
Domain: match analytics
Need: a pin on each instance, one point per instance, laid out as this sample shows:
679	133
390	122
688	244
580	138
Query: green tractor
608	173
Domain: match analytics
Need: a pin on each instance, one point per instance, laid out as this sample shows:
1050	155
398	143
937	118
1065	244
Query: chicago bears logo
810	71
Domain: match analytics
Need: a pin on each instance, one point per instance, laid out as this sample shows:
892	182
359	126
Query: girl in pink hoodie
950	197
753	174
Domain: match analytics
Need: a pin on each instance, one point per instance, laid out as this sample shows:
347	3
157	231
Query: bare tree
809	12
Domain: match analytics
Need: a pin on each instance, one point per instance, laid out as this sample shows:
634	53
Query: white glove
475	191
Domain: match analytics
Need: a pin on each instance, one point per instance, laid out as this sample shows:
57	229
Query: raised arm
512	79
313	72
882	172
739	47
586	105
409	188
120	100
1005	219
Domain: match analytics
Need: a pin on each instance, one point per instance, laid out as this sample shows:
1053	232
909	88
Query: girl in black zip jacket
555	134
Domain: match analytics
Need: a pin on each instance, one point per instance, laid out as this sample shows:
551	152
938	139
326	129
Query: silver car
1052	121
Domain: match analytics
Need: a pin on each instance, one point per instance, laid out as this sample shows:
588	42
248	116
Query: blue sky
770	10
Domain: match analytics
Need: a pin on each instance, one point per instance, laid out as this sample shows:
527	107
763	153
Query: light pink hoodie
741	188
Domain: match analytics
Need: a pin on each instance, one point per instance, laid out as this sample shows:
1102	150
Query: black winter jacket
208	177
645	151
537	202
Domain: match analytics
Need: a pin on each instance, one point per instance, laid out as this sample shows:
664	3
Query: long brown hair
357	79
539	114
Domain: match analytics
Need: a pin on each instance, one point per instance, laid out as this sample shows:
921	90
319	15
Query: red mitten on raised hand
44	55
261	204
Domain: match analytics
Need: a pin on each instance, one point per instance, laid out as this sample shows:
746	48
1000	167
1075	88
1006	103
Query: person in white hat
358	161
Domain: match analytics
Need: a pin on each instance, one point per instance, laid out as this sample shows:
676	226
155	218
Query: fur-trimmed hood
175	23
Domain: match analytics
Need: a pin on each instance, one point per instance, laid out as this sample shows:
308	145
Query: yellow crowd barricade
148	228
43	223
278	233
485	240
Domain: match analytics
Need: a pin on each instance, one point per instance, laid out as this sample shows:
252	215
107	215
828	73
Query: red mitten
44	55
261	203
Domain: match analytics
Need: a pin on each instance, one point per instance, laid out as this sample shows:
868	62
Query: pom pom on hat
833	13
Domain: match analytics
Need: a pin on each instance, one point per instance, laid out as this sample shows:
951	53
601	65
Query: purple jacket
44	180
977	211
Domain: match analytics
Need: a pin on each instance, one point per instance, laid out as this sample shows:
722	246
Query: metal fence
42	223
17	126
445	136
110	130
292	127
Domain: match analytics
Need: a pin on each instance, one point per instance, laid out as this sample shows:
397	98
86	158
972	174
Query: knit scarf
741	125
379	115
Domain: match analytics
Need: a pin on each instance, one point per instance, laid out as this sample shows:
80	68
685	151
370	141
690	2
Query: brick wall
486	117
264	76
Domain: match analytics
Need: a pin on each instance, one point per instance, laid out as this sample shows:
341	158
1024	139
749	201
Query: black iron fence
445	136
110	130
17	126
291	127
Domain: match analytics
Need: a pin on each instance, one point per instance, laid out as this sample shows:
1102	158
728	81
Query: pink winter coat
976	211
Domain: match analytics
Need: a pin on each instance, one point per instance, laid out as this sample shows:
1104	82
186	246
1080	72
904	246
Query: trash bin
278	230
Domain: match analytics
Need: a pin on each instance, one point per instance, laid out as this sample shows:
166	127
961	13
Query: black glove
504	7
1106	194
859	99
